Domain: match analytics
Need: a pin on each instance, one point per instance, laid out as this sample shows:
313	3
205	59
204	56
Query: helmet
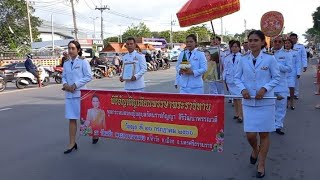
29	56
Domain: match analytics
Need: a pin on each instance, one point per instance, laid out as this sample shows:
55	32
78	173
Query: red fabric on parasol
199	11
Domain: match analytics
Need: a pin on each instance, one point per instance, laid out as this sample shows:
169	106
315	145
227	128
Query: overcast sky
157	14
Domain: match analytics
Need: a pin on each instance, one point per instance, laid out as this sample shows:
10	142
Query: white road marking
28	89
5	109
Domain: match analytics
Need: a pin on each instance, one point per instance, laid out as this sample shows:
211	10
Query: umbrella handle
214	34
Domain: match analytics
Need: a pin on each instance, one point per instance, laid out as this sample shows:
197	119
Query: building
157	43
120	47
59	32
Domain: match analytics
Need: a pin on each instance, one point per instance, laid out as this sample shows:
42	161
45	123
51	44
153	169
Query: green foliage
202	32
137	31
313	34
13	14
112	39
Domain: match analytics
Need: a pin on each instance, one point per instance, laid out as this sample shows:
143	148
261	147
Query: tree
155	34
112	39
140	30
14	27
243	36
312	35
165	35
202	32
179	36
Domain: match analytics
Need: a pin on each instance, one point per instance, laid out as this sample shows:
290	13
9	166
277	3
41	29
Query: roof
64	31
61	43
120	47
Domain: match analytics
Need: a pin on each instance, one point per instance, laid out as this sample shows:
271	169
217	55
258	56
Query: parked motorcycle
57	75
102	71
3	83
164	63
24	79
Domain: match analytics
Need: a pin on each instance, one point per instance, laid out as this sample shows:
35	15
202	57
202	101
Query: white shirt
140	69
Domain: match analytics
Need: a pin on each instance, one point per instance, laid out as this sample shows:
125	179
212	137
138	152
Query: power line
87	5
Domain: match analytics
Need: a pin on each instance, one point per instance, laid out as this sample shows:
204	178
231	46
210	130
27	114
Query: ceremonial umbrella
200	11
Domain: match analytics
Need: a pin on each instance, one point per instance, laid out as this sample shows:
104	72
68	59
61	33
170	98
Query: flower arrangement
184	63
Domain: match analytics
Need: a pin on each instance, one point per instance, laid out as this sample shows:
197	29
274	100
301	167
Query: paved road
34	134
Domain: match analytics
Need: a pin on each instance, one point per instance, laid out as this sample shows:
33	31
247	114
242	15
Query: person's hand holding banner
245	94
260	93
121	79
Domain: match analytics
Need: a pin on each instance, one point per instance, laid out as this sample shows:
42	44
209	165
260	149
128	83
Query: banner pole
252	97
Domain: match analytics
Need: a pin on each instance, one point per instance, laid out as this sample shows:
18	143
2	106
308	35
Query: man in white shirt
136	83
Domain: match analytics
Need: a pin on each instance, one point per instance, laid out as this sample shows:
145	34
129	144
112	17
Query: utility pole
29	21
101	9
221	29
245	29
52	34
171	33
74	20
120	36
94	26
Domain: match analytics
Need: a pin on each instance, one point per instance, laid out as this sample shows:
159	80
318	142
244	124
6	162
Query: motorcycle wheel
2	85
98	74
46	81
19	84
58	79
168	66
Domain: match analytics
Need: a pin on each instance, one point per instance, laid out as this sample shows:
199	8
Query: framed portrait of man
128	71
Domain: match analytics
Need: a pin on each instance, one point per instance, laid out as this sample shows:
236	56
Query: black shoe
296	97
235	117
278	131
75	147
252	159
260	174
95	141
292	107
240	120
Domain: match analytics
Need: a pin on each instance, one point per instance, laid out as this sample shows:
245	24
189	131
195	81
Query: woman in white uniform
76	74
190	78
295	73
257	74
230	64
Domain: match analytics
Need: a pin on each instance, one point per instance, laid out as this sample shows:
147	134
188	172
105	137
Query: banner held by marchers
182	120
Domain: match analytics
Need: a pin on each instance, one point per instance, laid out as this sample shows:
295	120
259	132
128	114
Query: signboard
182	120
272	23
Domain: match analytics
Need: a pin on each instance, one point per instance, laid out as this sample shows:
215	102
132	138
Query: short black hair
216	37
292	45
231	42
131	39
235	42
245	42
261	35
193	36
294	35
